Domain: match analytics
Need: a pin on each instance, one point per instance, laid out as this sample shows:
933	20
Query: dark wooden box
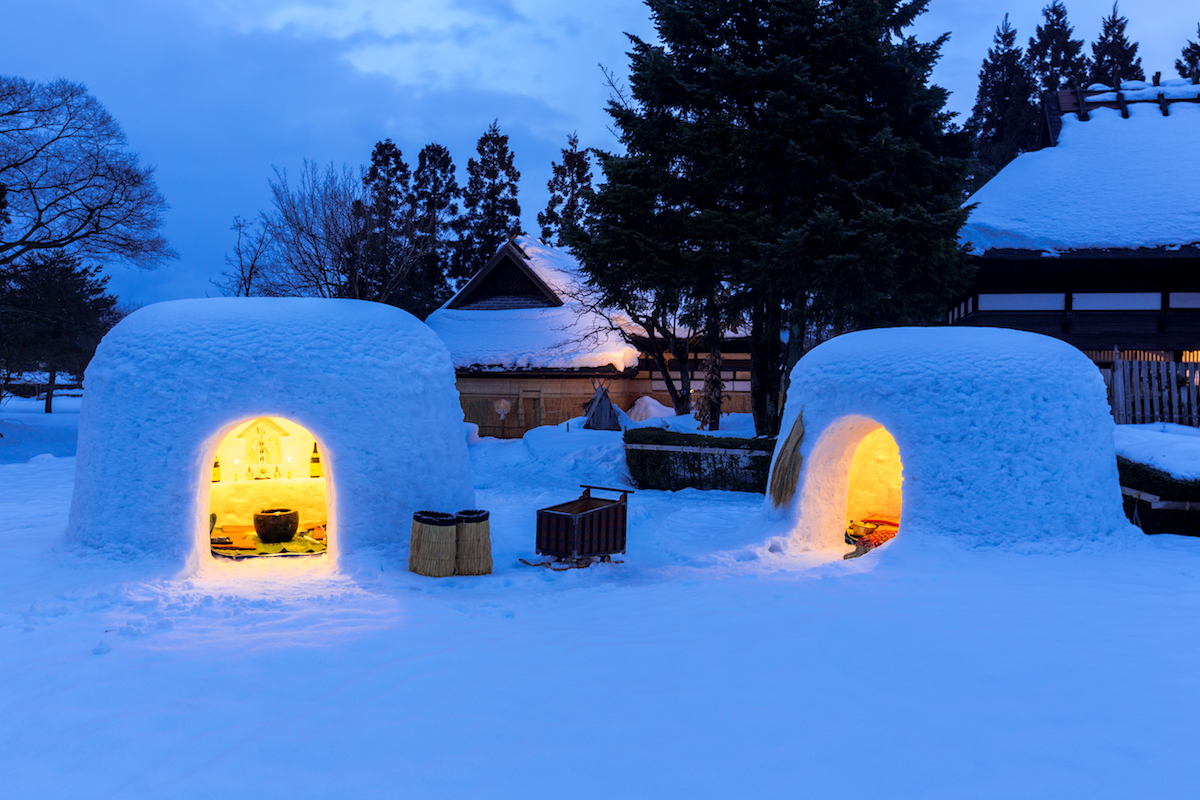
589	526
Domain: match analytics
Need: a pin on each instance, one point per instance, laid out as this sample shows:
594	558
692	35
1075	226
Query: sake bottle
216	470
314	463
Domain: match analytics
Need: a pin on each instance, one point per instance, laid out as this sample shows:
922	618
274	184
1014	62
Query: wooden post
1152	391
1083	111
1157	78
1163	104
1192	374
1121	104
1143	383
1172	374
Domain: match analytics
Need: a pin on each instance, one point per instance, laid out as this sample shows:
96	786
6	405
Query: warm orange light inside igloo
873	498
268	495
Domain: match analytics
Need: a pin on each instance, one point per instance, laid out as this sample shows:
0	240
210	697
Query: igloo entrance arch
274	465
372	385
1001	437
854	481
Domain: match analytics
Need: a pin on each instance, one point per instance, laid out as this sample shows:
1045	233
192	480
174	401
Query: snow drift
373	384
1004	437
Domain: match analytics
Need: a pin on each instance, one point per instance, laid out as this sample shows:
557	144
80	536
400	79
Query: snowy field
707	665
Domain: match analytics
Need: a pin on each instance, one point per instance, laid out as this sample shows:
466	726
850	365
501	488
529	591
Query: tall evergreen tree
570	182
1005	116
1053	58
782	156
1188	64
435	196
492	211
378	264
1114	57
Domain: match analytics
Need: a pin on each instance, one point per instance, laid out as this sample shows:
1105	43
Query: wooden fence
1155	391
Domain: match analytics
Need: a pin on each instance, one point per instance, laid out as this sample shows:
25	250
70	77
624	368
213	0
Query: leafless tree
70	179
651	324
311	226
250	264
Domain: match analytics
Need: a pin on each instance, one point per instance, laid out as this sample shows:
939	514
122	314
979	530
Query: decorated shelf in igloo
201	415
990	436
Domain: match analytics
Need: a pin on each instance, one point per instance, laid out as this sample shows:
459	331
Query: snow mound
1109	183
646	407
1174	449
1005	437
373	384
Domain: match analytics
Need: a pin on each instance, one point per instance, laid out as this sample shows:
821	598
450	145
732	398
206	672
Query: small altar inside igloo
199	413
989	436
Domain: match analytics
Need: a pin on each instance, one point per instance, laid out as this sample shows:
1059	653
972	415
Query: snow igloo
199	413
990	436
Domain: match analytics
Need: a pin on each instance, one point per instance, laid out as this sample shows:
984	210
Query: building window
1023	302
1117	301
1185	300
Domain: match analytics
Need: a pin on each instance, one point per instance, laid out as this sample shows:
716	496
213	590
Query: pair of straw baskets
450	544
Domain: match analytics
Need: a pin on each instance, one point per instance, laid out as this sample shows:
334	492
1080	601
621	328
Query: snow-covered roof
566	336
1110	183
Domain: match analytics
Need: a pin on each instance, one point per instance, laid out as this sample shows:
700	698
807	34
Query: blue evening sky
215	92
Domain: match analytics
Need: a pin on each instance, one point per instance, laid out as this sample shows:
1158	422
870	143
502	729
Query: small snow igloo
198	414
995	437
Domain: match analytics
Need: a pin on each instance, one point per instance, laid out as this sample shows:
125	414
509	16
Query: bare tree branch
70	179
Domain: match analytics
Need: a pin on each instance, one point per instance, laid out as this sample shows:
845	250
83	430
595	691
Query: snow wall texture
1005	437
168	382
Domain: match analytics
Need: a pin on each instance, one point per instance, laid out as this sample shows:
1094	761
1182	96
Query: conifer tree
54	311
492	210
570	182
379	263
1053	58
1114	57
435	197
1005	116
1188	64
790	156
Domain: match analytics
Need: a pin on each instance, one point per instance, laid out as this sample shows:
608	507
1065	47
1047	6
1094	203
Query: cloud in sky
541	48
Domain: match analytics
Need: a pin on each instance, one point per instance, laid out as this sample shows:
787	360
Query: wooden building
527	348
1095	238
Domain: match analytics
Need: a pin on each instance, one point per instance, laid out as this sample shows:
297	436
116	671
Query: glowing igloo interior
268	464
989	436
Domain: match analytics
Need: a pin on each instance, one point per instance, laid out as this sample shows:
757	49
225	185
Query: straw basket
474	543
434	536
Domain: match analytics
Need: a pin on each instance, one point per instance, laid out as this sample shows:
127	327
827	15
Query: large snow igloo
343	410
996	437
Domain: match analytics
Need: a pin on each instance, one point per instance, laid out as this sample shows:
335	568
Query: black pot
275	525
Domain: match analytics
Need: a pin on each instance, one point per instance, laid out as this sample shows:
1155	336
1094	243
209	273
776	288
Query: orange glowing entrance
268	493
873	496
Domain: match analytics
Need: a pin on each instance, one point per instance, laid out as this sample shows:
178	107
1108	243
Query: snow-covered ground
706	665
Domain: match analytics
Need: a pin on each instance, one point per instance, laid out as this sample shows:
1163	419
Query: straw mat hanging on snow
787	465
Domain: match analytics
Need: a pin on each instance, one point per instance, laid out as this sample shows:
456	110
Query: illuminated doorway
873	492
268	495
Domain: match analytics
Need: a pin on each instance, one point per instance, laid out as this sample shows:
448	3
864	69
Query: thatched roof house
1095	238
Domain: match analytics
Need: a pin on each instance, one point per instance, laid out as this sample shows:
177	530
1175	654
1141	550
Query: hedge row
661	469
1153	481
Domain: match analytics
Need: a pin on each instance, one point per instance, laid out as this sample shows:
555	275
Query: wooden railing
1155	391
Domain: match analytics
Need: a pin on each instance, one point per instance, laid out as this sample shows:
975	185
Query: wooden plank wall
1155	391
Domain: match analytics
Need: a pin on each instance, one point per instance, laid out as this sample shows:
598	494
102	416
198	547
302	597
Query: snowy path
705	666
